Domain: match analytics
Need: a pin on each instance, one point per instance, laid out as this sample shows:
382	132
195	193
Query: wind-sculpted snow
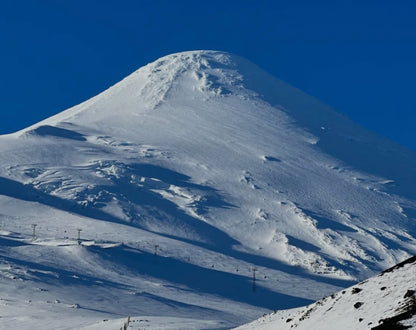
47	130
199	187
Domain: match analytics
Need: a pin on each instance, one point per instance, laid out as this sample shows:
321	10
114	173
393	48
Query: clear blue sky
357	56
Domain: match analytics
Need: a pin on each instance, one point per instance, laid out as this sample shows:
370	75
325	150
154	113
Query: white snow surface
186	178
382	302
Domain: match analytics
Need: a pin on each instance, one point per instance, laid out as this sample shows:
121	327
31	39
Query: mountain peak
208	72
212	72
198	58
177	88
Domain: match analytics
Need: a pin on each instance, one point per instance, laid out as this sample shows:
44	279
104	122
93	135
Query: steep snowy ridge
186	179
383	302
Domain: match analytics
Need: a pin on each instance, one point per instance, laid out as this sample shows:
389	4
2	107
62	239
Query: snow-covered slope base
383	302
200	188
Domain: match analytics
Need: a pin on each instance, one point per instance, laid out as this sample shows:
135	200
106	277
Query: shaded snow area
197	193
383	302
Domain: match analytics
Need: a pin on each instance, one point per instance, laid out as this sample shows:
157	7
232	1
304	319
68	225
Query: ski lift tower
79	236
34	231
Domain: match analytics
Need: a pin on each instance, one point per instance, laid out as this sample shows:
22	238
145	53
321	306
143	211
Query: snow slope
187	178
386	301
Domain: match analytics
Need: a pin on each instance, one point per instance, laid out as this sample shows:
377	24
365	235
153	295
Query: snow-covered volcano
187	178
